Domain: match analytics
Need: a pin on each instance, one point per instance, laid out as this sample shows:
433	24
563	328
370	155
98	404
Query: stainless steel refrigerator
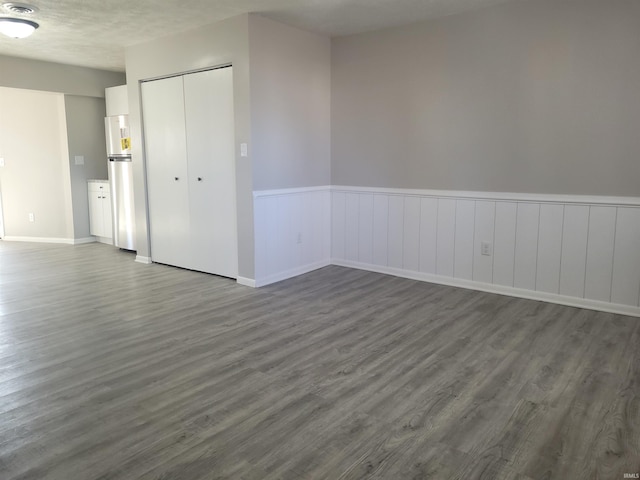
121	181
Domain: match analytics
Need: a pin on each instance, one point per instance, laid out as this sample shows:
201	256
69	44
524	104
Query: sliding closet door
208	100
167	173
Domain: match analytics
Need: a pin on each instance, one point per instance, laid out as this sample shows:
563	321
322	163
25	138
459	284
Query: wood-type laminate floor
114	370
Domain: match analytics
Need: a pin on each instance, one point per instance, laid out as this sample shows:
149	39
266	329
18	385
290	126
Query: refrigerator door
118	136
122	206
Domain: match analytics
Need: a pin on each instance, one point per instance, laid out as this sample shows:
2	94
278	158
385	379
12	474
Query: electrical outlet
299	238
32	217
1	162
79	159
486	248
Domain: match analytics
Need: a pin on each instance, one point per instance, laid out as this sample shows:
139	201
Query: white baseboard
143	260
294	272
498	289
66	241
80	241
247	282
105	240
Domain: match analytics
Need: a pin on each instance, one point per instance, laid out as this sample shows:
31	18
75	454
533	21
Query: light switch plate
1	162
79	159
244	150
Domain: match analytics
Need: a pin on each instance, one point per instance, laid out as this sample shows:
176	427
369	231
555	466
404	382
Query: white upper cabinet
117	100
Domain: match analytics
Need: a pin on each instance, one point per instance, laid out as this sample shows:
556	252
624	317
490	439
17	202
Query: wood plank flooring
115	370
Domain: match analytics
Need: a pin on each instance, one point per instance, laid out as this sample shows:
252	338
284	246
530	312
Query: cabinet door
106	215
166	163
210	130
96	214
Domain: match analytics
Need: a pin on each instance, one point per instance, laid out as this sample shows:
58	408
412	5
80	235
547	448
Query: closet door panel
166	164
209	119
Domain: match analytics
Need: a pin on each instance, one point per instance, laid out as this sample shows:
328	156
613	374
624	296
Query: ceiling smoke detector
19	8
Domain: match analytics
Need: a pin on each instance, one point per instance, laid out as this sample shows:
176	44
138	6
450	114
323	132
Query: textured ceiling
94	33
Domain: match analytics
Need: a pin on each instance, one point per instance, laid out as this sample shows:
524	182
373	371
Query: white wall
36	177
293	232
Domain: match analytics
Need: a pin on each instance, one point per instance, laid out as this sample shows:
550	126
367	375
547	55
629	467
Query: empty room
301	239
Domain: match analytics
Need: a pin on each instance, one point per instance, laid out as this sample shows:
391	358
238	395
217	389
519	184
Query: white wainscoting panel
484	230
504	246
428	234
293	231
380	230
352	224
526	257
365	228
573	263
288	220
395	235
549	248
446	232
580	251
338	227
411	234
270	236
463	246
625	287
601	238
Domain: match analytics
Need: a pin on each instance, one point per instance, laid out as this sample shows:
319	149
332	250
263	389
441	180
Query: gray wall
223	43
55	77
290	105
536	96
86	137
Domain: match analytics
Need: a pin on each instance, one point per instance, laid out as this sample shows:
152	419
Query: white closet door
167	175
208	100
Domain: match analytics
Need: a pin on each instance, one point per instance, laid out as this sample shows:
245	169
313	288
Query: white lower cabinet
99	209
190	161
